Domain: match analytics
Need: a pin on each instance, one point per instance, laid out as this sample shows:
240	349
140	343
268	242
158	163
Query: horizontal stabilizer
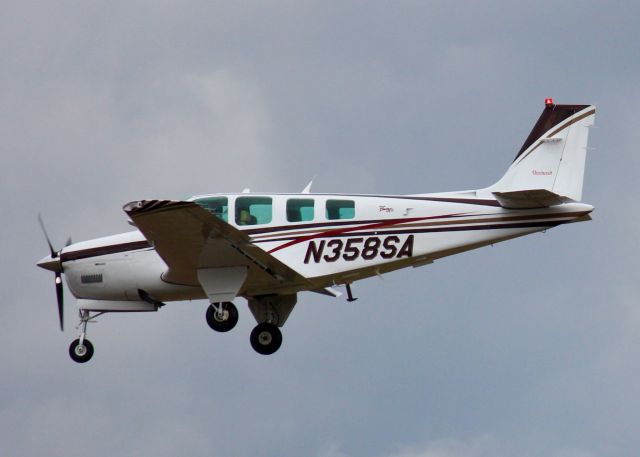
535	198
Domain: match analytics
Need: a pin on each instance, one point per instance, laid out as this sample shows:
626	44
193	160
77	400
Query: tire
266	338
81	354
228	322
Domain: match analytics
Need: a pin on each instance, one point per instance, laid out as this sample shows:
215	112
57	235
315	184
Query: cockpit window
300	209
253	210
218	206
341	209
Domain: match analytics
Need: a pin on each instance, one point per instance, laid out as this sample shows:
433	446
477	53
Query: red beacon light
548	101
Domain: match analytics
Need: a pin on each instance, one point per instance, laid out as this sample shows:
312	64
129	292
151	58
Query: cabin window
218	206
253	210
341	209
300	209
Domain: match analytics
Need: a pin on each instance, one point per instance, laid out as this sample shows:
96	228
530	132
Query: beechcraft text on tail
267	248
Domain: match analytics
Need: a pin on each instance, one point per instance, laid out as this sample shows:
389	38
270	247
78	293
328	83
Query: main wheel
225	320
266	338
81	354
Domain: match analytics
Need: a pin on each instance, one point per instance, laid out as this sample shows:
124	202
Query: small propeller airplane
268	248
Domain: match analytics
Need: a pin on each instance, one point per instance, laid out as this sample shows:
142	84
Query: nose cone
51	264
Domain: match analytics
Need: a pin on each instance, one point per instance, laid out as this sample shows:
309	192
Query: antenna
307	189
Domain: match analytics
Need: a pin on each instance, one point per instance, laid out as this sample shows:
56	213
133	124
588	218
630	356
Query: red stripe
339	231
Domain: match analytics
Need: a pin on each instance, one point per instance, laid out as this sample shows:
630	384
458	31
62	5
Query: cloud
215	137
479	447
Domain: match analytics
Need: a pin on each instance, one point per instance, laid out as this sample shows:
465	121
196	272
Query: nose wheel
222	317
266	338
81	352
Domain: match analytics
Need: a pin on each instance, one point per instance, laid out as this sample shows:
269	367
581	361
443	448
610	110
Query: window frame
299	209
338	208
224	217
238	210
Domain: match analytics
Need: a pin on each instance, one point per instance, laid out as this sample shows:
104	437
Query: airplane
267	248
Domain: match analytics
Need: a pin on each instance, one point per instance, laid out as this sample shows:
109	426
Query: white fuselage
378	234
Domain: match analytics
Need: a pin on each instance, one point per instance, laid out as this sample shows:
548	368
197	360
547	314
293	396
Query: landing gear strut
222	317
81	349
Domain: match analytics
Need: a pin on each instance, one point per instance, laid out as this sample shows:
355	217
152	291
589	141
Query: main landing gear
270	311
222	317
81	349
266	338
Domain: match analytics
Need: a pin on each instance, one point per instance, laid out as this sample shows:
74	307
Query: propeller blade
69	242
44	230
60	296
57	268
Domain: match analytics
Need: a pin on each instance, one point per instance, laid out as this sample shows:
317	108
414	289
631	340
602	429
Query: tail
549	169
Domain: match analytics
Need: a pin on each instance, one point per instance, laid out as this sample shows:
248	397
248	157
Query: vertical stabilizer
552	158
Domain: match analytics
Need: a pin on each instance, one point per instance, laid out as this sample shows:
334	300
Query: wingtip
146	206
131	206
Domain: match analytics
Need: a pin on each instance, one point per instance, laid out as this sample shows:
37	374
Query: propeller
54	264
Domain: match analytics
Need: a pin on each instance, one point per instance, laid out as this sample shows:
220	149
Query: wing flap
188	238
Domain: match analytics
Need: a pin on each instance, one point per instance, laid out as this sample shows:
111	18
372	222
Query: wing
188	237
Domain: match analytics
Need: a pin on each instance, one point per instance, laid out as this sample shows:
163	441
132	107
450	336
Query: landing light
548	101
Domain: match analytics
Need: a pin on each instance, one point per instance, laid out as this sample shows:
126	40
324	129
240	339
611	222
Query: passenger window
300	209
341	209
253	210
218	206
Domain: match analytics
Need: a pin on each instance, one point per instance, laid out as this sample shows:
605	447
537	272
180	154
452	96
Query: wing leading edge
188	238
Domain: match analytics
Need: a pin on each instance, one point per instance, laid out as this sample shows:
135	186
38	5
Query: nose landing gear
81	349
81	352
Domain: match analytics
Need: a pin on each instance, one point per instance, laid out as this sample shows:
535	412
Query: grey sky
528	348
